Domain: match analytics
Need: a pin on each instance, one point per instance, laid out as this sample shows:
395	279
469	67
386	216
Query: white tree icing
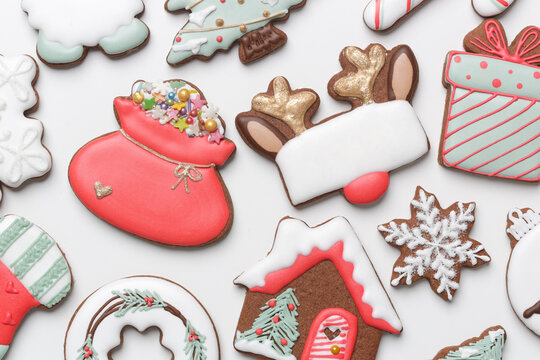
435	243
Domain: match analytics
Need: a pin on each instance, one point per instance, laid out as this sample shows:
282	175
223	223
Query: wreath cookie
157	176
141	302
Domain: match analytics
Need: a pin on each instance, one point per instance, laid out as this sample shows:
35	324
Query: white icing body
22	156
294	238
371	138
523	274
383	14
260	348
489	8
173	330
80	22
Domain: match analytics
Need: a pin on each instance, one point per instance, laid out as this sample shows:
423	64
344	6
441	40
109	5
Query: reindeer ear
403	74
260	134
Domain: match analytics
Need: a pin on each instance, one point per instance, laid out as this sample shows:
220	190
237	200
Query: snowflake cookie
434	244
67	28
488	346
22	155
141	302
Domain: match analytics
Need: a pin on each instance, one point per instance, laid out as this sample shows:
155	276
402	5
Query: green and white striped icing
35	259
488	348
199	35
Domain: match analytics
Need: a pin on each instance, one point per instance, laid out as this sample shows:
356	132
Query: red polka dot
468	77
497	83
178	39
537	75
520	86
284	342
259	331
484	65
510	71
219	38
457	59
222	1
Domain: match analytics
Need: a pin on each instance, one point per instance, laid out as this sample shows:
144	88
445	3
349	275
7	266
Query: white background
76	106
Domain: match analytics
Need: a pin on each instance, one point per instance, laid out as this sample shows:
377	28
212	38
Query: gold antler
359	84
289	108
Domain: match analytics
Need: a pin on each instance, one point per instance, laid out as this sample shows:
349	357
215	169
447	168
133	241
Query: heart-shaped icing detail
331	335
8	319
10	288
102	191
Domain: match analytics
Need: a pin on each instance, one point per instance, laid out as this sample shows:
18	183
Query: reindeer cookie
352	151
523	229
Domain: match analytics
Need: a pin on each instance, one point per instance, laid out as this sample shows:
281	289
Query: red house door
332	335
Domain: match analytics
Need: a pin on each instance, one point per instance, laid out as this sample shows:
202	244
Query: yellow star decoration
179	106
181	124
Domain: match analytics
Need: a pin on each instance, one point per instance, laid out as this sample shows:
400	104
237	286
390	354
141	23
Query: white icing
108	333
523	270
327	157
489	8
467	352
261	348
294	238
390	12
522	223
270	2
80	22
198	17
193	45
493	335
22	156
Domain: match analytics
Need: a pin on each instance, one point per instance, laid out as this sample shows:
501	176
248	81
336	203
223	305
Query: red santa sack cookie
161	163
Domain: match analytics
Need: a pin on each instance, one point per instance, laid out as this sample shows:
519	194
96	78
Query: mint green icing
49	278
55	53
127	37
12	233
59	296
194	349
135	300
3	351
249	13
32	255
484	349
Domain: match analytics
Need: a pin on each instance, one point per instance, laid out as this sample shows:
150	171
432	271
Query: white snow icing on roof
294	238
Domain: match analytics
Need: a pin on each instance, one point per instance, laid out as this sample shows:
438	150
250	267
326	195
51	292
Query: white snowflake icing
435	243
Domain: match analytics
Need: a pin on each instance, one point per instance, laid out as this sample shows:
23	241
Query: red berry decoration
192	333
90	353
196	337
219	38
272	303
86	348
284	342
275	319
190	338
146	299
178	39
259	331
86	356
291	307
151	300
189	120
194	113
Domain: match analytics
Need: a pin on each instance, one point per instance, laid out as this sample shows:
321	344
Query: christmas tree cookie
141	302
434	244
353	151
314	296
33	273
157	176
215	25
67	28
22	155
488	346
523	229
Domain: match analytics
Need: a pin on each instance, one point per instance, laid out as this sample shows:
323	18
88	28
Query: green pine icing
50	278
32	255
136	300
58	297
285	328
85	354
177	84
3	348
484	349
194	348
12	233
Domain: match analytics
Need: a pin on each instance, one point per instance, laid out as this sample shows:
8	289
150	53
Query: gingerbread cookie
67	28
523	229
491	121
488	346
352	151
314	296
22	154
33	273
162	161
434	244
141	302
215	25
381	15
